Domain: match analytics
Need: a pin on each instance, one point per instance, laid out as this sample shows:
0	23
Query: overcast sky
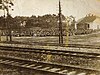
77	8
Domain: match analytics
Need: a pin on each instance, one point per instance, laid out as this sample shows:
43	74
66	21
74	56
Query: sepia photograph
49	37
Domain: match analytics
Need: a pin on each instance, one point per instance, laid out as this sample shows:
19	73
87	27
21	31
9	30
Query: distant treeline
45	21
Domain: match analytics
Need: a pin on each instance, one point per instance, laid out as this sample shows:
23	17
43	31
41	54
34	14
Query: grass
93	39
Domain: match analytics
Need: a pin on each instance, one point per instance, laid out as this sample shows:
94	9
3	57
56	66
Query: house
95	24
89	22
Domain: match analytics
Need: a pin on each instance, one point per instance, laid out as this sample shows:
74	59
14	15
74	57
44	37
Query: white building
89	22
95	24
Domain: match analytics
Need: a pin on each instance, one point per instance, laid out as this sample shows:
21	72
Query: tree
2	21
0	1
0	4
7	5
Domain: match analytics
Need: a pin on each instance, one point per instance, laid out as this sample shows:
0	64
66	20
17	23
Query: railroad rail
46	67
52	51
56	44
80	59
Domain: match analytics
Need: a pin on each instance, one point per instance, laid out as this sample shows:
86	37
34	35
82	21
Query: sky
77	8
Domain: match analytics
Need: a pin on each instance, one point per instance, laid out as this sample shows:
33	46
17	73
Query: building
89	22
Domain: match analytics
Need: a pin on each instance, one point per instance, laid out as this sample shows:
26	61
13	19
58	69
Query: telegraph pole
60	26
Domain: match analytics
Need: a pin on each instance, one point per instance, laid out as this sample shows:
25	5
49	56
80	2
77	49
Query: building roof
87	19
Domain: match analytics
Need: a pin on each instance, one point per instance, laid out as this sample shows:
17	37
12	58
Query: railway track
48	68
56	44
79	60
52	51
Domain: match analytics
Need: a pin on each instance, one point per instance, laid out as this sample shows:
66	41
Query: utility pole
60	26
